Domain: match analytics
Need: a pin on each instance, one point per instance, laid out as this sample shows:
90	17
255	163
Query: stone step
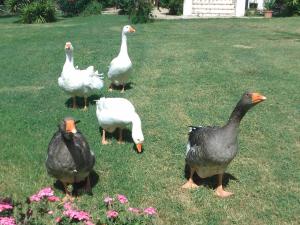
213	15
215	11
215	2
228	6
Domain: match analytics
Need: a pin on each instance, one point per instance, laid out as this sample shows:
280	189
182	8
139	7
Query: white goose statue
113	113
120	67
78	82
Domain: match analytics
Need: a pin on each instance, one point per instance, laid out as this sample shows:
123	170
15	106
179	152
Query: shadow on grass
80	101
128	86
6	15
209	182
78	188
126	135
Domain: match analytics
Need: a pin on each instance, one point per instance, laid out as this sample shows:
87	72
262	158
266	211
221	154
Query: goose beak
139	147
257	97
131	30
68	46
70	126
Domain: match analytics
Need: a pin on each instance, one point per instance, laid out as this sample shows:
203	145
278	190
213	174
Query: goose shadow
80	101
128	86
78	188
209	182
127	138
115	135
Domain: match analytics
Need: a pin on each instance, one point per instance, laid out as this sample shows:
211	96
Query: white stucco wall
240	8
187	7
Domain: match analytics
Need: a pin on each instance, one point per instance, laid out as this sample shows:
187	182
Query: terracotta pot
268	13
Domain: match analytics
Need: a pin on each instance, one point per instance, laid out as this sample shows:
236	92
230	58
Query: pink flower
78	215
45	192
88	223
108	200
57	219
53	199
5	206
34	198
111	214
150	211
67	206
134	210
50	212
7	221
122	199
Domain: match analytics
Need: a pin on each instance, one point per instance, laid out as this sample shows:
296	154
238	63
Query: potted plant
268	6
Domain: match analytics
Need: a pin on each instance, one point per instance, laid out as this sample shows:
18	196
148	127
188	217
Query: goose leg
190	183
110	87
85	104
68	196
123	88
104	141
74	102
120	141
220	191
87	187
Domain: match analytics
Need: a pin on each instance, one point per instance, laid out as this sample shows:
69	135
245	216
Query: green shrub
139	11
287	7
164	3
72	7
125	6
93	8
293	6
175	7
108	3
41	11
15	6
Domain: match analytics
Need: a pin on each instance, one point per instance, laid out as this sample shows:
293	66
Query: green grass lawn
186	72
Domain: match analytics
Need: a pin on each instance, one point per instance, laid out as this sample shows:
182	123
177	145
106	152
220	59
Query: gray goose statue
69	157
211	149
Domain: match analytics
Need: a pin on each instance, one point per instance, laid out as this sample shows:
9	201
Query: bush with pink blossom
45	208
119	211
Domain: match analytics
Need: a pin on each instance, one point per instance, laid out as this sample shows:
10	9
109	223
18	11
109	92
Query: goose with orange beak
69	157
120	67
76	82
113	113
211	149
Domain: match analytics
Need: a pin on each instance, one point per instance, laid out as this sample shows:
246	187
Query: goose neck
237	115
123	49
136	124
69	59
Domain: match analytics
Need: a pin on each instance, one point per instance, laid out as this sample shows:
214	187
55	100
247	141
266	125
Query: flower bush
5	212
119	211
7	221
45	208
